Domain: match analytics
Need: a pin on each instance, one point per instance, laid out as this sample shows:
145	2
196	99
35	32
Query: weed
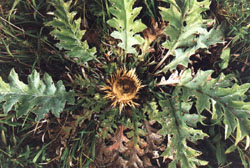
125	83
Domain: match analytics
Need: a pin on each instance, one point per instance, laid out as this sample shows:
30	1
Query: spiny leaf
185	21
227	102
187	31
174	125
68	32
204	40
125	24
181	58
38	96
178	127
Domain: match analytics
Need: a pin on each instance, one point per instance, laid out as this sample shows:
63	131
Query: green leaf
125	24
245	160
225	55
187	31
227	102
192	119
230	149
38	96
220	153
185	21
207	38
180	130
202	102
181	58
68	32
152	109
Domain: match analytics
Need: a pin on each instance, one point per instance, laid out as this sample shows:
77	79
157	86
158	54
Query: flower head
122	88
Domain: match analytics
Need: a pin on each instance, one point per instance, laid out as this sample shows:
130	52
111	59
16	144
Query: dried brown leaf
150	35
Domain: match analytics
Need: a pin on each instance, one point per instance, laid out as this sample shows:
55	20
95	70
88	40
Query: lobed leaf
226	103
177	127
125	24
185	21
68	32
38	96
187	31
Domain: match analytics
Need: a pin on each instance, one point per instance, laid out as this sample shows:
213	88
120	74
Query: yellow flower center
124	88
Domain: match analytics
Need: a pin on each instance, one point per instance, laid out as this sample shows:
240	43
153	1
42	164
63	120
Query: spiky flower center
123	87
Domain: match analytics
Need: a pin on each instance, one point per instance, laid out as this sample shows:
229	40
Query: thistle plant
150	95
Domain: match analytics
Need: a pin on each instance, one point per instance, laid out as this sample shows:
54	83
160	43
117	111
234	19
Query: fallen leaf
173	80
151	34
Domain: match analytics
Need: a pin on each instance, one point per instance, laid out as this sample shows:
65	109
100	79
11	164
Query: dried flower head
122	88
